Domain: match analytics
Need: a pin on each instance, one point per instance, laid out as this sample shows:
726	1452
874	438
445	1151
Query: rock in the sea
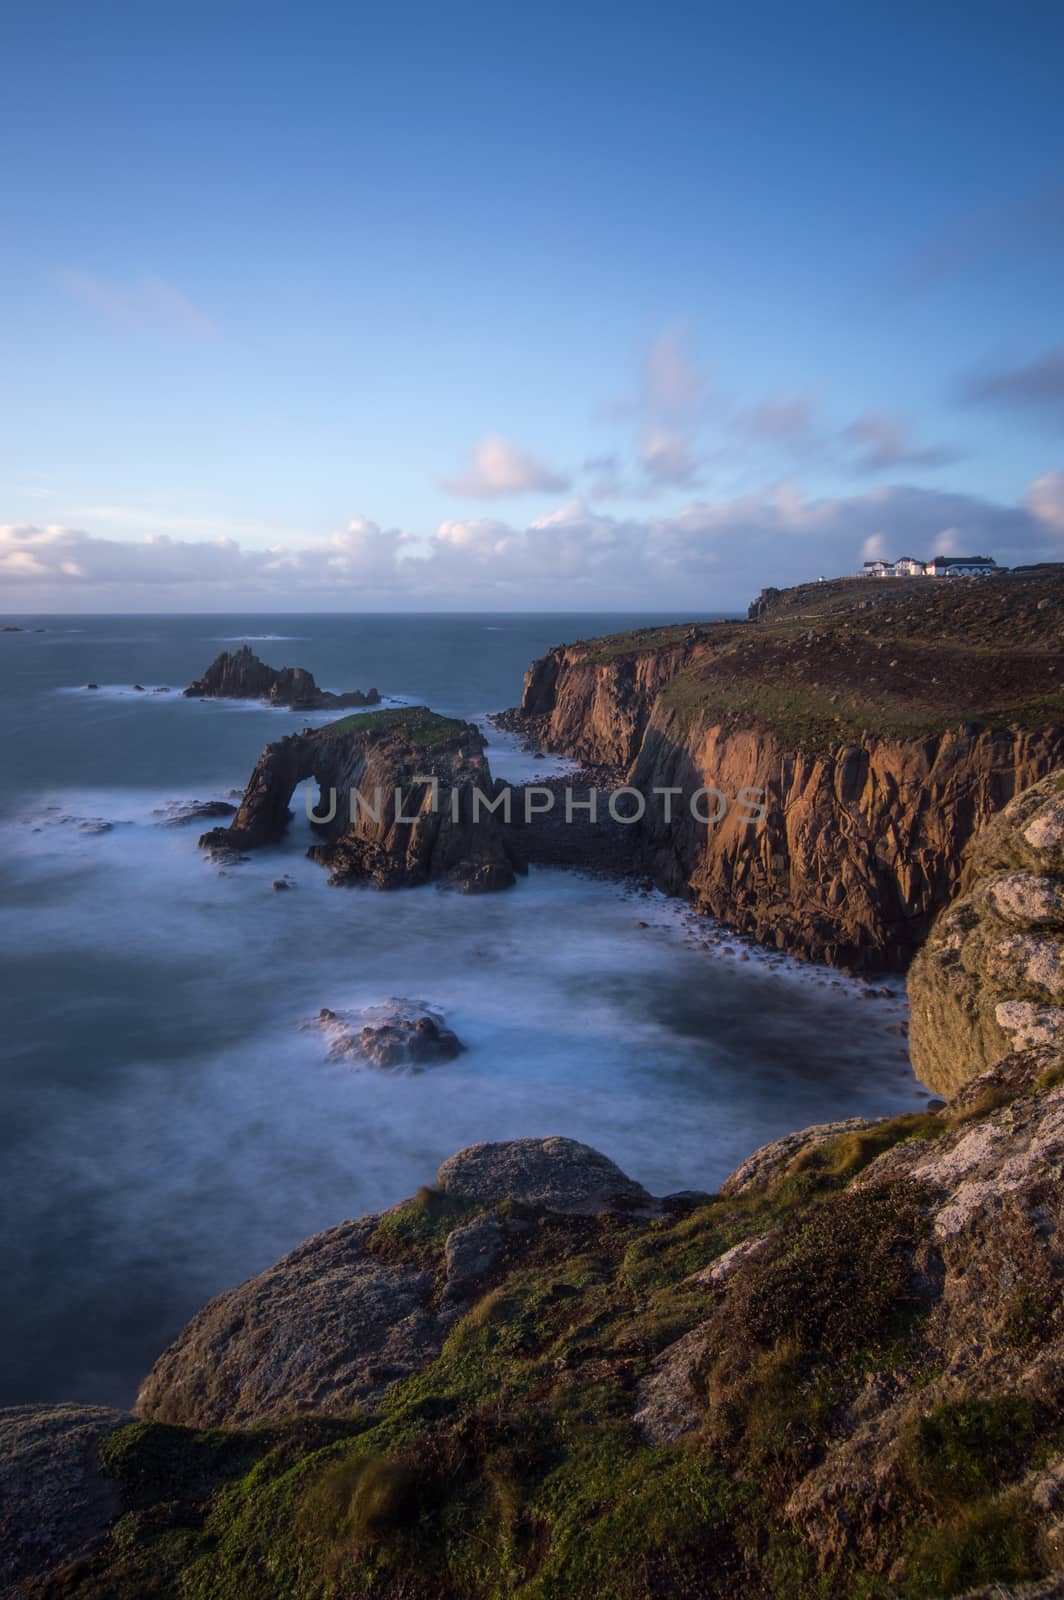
240	675
555	1174
398	802
990	978
178	813
399	1033
55	1503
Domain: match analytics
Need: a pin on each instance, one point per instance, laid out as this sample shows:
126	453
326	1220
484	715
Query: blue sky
467	306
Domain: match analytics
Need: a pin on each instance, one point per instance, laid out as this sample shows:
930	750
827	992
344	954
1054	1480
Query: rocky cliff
593	701
880	724
240	675
395	801
990	978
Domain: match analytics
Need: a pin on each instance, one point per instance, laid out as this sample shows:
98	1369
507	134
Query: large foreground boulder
990	978
55	1503
556	1174
330	1327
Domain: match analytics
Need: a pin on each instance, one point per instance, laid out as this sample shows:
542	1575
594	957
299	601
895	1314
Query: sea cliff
883	723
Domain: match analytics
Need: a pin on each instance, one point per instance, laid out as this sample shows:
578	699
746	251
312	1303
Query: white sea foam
182	1130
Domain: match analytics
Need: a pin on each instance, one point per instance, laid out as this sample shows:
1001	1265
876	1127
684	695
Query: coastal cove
171	1123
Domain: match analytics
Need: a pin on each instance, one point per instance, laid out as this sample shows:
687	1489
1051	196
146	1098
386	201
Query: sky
523	307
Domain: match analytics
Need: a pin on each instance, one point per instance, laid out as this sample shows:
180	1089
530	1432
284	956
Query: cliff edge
882	722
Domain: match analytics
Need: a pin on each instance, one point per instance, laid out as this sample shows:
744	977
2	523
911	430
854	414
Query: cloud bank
709	555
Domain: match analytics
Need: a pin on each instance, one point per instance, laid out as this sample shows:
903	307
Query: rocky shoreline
838	1375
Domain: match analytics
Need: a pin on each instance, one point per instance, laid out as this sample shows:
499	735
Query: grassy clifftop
889	658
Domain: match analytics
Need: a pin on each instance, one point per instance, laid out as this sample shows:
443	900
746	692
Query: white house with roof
961	566
937	567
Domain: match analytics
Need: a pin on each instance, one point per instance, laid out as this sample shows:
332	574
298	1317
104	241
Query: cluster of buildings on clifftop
937	567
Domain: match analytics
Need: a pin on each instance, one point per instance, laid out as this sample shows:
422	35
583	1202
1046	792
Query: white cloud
148	302
668	456
711	554
498	467
1045	499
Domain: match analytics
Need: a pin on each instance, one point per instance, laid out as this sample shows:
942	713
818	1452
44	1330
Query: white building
961	567
939	567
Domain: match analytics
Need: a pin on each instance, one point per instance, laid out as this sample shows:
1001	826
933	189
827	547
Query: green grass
419	723
612	646
714	692
969	1447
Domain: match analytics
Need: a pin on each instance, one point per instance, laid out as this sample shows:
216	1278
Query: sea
170	1124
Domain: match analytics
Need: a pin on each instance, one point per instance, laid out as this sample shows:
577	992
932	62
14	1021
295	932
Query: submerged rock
397	1034
240	675
178	813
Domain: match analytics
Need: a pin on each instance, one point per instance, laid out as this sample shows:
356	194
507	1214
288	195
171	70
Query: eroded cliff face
597	709
859	847
879	726
395	802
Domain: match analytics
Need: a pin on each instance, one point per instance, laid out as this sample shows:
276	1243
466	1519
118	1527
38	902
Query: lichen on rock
986	981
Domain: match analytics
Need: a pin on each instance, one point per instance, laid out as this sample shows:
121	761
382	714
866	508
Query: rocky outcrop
553	1174
990	978
55	1502
955	1232
845	1371
240	675
400	1034
879	727
594	703
397	799
332	1326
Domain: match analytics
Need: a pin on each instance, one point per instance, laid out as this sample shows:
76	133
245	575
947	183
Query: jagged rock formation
990	978
54	1500
436	764
240	675
593	702
880	724
400	1034
335	1324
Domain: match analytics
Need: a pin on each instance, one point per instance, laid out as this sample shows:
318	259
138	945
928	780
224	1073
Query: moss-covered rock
990	978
